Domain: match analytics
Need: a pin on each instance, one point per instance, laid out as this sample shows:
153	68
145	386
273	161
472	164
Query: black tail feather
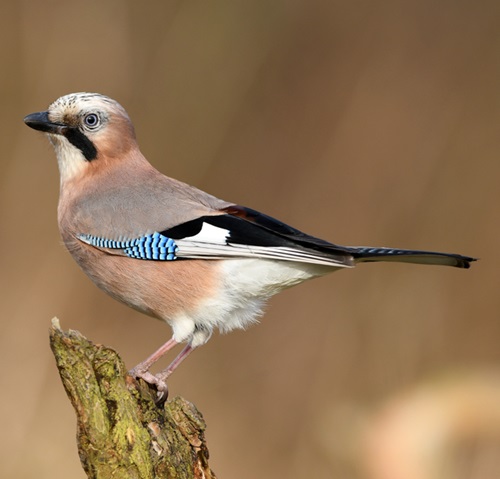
284	235
367	254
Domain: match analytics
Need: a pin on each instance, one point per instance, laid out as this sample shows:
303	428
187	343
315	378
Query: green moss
122	433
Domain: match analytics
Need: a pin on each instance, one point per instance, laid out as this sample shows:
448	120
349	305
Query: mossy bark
121	432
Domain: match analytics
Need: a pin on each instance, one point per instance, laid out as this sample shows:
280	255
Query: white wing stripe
198	250
210	234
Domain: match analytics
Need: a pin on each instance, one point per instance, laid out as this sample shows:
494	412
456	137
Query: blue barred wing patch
154	246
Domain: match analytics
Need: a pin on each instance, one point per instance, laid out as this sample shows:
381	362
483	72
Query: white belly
246	285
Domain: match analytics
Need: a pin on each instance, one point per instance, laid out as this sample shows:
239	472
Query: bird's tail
367	254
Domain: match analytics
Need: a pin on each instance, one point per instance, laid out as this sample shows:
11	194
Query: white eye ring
91	121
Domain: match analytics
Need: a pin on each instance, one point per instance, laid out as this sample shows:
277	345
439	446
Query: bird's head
85	128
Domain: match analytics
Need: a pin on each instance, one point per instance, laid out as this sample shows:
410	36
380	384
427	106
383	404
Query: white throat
69	158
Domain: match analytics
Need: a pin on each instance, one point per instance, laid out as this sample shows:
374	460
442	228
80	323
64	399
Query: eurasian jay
168	249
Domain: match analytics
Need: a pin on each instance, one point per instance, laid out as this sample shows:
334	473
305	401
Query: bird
170	250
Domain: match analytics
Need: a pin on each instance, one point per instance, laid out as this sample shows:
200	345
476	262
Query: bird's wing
359	254
239	232
235	232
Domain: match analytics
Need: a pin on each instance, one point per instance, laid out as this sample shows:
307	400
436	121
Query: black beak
40	121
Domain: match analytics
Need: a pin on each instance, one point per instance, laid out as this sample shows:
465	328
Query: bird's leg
161	378
163	375
142	369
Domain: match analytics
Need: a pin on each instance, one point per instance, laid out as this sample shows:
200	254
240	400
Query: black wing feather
246	226
365	254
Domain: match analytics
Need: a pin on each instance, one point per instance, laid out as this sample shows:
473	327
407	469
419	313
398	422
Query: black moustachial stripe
78	139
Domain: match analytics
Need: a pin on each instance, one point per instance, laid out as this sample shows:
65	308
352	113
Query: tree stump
121	432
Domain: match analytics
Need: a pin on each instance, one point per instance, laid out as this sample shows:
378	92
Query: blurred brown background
373	123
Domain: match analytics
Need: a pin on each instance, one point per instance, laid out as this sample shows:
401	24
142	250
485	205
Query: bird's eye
91	121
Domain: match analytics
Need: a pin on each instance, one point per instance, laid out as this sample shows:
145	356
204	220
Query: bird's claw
152	380
161	393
